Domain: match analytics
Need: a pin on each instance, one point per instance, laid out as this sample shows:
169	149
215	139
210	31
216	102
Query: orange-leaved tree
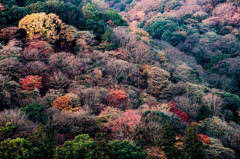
31	82
63	103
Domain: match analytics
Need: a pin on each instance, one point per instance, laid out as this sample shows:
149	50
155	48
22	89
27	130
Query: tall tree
193	148
168	141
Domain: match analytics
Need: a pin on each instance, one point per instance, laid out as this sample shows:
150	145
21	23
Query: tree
126	125
168	141
44	138
124	149
47	25
31	82
34	111
118	98
193	148
62	103
18	148
7	131
81	147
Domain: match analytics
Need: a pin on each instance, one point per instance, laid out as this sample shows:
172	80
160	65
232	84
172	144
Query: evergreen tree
193	148
168	141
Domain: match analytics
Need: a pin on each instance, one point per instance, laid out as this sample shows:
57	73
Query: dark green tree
125	150
44	138
34	111
193	148
101	151
204	112
168	141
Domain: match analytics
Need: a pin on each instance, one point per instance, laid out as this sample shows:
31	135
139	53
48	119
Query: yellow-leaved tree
49	26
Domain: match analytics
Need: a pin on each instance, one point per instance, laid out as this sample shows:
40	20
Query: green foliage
115	17
193	148
203	113
232	102
101	151
108	36
157	28
7	131
173	38
34	111
11	16
125	150
81	147
18	149
43	138
168	141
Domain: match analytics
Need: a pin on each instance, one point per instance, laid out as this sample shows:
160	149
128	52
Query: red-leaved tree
126	125
117	97
31	82
182	115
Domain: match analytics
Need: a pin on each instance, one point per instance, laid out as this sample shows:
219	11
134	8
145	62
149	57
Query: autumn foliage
118	98
126	124
43	47
204	138
62	103
182	115
31	82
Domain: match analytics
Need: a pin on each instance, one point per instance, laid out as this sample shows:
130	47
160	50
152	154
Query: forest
119	79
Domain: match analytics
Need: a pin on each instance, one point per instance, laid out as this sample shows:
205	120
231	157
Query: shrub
31	82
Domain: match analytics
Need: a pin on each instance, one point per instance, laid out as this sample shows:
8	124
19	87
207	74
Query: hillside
120	79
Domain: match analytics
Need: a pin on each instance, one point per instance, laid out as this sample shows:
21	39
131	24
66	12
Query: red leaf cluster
1	7
43	47
31	82
117	98
182	115
204	138
126	124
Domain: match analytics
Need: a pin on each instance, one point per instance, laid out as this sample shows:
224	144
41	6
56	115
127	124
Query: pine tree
193	148
168	141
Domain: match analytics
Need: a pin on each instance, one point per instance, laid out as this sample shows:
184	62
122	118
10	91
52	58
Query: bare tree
214	102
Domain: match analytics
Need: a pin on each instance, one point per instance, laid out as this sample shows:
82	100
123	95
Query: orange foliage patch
204	138
31	82
62	103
